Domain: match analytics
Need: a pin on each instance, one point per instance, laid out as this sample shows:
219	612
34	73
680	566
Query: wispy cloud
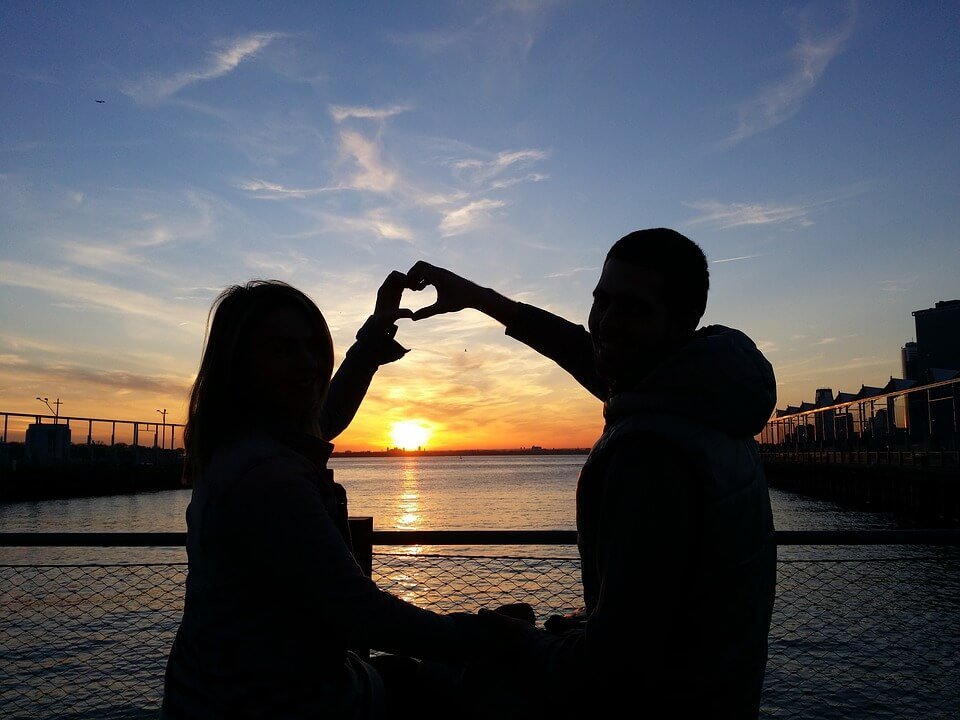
377	222
219	63
809	58
720	216
529	177
503	31
467	217
825	341
72	375
279	265
116	379
431	41
483	169
809	374
371	173
22	146
265	190
342	112
571	272
360	165
365	171
29	75
898	285
95	256
79	292
727	215
12	359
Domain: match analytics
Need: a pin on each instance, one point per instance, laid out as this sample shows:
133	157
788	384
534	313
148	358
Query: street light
163	442
56	413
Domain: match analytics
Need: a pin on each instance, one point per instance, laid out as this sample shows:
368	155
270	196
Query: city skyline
810	149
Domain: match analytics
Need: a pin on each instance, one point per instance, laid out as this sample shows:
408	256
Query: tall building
908	360
824	397
938	338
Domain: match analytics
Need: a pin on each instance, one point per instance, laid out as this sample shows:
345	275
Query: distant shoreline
397	452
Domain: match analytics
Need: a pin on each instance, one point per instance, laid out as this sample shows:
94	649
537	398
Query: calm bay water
432	493
858	632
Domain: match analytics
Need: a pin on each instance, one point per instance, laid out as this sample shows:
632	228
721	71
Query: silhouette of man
675	532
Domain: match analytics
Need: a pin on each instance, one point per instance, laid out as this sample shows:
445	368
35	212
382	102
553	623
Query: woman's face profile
289	369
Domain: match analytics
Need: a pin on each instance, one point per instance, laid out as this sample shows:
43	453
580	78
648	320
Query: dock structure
891	448
41	459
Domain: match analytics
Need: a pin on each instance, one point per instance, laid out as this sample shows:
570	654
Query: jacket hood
719	379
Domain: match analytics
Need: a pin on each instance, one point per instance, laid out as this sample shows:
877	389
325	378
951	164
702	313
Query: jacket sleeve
562	341
375	346
302	554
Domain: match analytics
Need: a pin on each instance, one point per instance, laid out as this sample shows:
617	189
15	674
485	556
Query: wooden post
361	532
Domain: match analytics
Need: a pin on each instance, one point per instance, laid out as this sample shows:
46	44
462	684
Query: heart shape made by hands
427	296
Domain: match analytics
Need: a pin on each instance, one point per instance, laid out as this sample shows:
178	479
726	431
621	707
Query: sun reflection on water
407	510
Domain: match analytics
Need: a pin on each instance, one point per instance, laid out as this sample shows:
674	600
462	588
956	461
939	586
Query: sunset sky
811	149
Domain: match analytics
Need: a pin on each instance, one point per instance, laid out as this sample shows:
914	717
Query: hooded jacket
675	535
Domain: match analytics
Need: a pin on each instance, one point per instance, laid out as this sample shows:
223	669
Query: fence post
361	532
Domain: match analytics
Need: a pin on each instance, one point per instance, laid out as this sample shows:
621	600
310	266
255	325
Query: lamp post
56	412
163	414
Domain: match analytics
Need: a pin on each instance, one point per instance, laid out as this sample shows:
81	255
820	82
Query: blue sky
811	149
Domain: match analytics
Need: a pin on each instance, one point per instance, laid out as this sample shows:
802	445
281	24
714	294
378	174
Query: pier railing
865	624
108	431
894	458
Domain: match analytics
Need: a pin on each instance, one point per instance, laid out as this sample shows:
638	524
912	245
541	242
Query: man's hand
388	298
454	293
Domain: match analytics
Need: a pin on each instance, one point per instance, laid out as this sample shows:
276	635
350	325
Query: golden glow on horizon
409	434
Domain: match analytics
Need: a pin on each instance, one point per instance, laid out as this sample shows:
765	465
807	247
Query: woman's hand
388	298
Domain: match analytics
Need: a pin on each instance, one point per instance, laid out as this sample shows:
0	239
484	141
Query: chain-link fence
857	637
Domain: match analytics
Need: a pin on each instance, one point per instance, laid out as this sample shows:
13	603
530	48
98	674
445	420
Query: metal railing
161	434
866	623
896	458
874	419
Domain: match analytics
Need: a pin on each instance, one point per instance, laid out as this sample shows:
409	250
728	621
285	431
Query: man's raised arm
564	342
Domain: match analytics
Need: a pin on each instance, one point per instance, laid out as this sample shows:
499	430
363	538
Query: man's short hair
677	258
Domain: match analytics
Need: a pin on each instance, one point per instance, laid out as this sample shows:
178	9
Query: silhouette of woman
274	596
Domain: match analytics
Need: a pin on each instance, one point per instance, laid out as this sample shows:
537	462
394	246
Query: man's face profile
628	322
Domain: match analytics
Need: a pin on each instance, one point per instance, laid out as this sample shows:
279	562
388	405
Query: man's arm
564	342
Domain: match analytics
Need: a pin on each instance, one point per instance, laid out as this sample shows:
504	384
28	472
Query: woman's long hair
220	397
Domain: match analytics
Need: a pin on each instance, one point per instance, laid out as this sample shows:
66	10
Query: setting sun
409	434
